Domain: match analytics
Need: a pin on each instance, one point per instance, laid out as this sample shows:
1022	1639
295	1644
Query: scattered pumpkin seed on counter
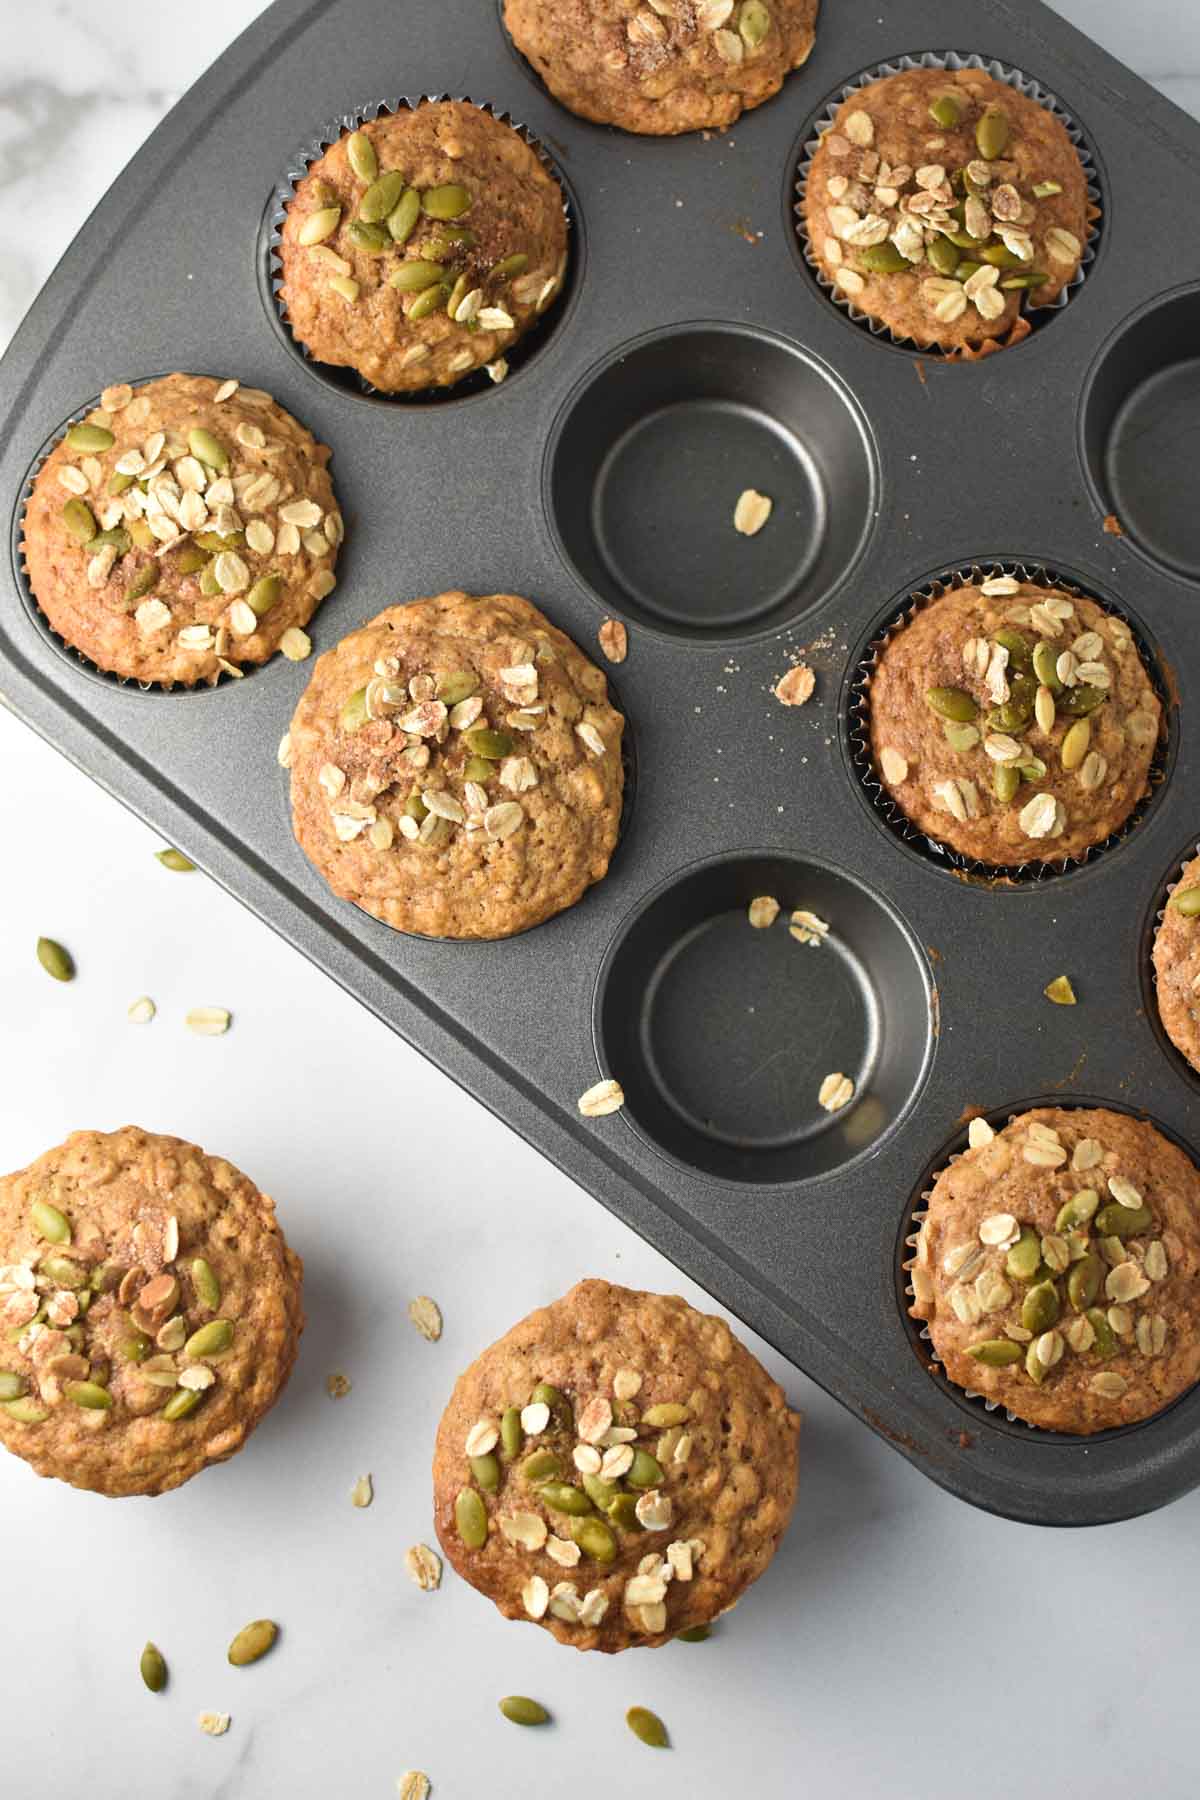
648	1727
252	1642
522	1711
56	961
153	1668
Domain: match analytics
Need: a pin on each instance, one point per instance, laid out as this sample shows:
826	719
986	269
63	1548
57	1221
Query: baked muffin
940	201
1177	964
665	66
180	529
617	1468
1057	1264
1012	722
456	767
149	1311
421	246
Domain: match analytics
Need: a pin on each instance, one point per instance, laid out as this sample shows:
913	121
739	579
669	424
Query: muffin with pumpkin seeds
616	1469
181	529
1056	1266
150	1311
939	201
665	66
1177	964
421	246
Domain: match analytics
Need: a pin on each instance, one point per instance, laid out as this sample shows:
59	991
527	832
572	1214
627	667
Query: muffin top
665	66
456	767
1013	722
939	201
180	529
149	1311
1057	1266
1177	964
421	245
618	1468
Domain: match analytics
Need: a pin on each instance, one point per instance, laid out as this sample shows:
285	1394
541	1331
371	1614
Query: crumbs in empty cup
836	1091
751	512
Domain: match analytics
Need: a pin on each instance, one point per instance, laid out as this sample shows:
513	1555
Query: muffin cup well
858	713
1031	316
1155	915
347	380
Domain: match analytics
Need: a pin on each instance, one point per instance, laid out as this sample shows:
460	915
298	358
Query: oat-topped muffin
618	1468
1177	964
1012	722
456	767
941	200
667	65
421	246
1057	1268
149	1311
180	529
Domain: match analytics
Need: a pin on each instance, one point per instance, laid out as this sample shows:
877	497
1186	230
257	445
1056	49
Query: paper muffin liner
1155	918
68	651
1029	316
859	722
342	376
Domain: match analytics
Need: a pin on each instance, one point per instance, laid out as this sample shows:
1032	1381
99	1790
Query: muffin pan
694	356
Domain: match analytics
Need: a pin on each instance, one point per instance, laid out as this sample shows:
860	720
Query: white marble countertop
902	1645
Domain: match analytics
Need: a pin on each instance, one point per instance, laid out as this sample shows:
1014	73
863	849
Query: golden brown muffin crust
172	587
665	66
1088	1317
1072	791
1177	965
406	809
99	1244
886	176
661	1405
498	259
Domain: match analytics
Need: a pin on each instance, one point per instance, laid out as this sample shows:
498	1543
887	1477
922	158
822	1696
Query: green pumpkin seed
512	1434
1075	743
449	201
252	1641
943	255
360	154
1080	701
996	1353
509	266
55	960
1000	256
594	1539
1043	189
134	1349
182	1402
623	1512
882	259
214	543
1019	653
118	538
26	1411
947	111
264	594
1006	779
175	860
695	1634
1186	901
191	559
546	1395
522	1711
1083	1281
414	806
478	768
427	301
211	1339
485	1470
644	1471
51	1224
470	1516
601	1492
543	1465
319	225
153	1668
144	581
1106	1341
459	685
648	1726
79	520
88	1394
754	22
91	438
381	198
952	703
494	745
1032	278
404	216
413	276
561	1497
1040	1308
456	234
1022	1260
1045	666
374	239
117	484
204	1280
992	132
1123	1221
961	738
209	585
1035	1368
63	1272
208	450
1078	1210
354	711
667	1412
12	1385
457	295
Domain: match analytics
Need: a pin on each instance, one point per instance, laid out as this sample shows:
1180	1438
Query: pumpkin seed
960	738
319	225
117	538
374	239
449	201
511	1435
89	1394
522	1711
992	133
947	111
25	1411
79	520
644	1472
91	438
623	1512
404	216
1035	1368
1123	1221
457	294
478	768
1078	1210
175	860
601	1492
883	259
952	703
459	685
1075	744
1019	653
486	1471
1045	666
470	1516
1006	779
134	1349
51	1224
264	594
427	301
360	154
494	745
144	580
1079	701
1040	1307
211	1339
182	1402
1022	1260
1043	189
1083	1282
1000	256
754	22
695	1634
153	1668
204	1280
381	198
543	1465
1106	1341
648	1726
561	1497
509	266
63	1271
252	1641
1031	278
214	543
209	585
12	1385
55	960
995	1353
667	1412
208	450
1060	991
1186	901
943	255
594	1539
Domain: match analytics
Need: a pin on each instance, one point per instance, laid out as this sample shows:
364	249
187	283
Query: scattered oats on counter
413	1785
614	640
426	1316
362	1493
214	1724
209	1021
141	1011
424	1567
337	1386
794	688
604	1098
